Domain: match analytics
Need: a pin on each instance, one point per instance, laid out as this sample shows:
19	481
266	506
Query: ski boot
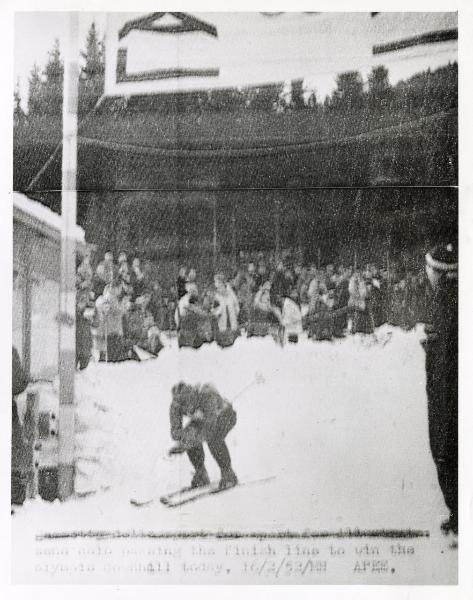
228	480
200	478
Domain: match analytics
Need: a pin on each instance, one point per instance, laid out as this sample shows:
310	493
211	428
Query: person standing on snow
291	318
19	463
441	365
227	307
211	419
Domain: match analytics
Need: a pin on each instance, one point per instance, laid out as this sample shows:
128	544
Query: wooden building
36	280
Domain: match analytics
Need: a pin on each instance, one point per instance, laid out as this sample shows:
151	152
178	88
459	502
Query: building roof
34	214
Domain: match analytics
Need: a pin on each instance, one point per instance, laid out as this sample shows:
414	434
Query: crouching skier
211	418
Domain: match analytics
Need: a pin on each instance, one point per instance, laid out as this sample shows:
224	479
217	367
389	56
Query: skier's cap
443	257
180	388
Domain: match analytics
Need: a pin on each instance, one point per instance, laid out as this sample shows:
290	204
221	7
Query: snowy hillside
341	426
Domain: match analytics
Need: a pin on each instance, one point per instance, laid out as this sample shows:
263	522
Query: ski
179	499
189	494
146	501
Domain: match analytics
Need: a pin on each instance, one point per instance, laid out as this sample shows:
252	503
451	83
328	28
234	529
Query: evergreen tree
297	94
312	99
35	87
92	78
18	112
379	88
93	55
263	98
54	70
349	92
52	88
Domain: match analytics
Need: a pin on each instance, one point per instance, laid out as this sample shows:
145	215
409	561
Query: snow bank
341	425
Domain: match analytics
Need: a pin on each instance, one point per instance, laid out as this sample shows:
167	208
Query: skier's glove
197	416
178	449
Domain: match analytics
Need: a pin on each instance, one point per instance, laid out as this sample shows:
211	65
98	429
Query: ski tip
135	502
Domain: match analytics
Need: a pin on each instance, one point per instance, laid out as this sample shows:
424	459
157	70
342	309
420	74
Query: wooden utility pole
278	228
234	241
67	314
214	234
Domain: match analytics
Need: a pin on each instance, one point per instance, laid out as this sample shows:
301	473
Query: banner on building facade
171	52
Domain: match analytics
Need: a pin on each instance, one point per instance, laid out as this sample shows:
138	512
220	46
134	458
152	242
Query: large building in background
162	52
414	42
188	136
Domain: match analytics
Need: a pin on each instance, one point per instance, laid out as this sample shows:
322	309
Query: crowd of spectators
121	308
118	310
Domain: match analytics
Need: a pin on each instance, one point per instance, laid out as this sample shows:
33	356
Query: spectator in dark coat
195	326
280	286
181	283
18	449
321	318
137	279
441	348
261	275
84	315
340	308
157	307
398	315
99	281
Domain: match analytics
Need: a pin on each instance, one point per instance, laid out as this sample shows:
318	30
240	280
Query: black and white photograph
235	270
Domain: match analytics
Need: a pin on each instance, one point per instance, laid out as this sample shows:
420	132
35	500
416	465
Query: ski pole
258	378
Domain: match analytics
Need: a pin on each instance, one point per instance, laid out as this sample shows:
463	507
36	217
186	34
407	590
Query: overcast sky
34	37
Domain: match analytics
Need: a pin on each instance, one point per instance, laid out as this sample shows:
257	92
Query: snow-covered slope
341	426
